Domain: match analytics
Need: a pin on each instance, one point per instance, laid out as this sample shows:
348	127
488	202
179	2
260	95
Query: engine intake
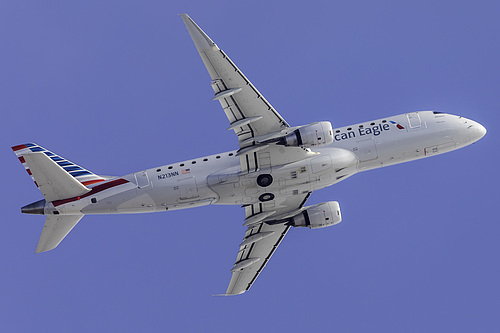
313	135
318	216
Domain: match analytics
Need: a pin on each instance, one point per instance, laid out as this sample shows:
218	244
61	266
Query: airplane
271	175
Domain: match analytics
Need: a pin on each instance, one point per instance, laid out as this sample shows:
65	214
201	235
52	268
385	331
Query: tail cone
34	208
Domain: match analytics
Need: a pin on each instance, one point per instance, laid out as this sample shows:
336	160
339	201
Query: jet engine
313	135
318	216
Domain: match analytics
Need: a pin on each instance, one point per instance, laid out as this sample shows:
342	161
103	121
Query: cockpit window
436	112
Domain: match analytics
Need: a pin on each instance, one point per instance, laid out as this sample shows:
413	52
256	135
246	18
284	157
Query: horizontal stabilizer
55	229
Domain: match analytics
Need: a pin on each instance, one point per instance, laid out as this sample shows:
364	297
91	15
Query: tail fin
56	177
55	229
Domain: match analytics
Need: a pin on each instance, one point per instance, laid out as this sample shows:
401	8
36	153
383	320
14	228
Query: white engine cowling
318	216
313	135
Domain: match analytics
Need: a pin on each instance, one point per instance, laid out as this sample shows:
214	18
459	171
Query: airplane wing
250	115
260	241
248	112
256	124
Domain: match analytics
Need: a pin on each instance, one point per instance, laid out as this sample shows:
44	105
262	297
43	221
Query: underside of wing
249	113
256	123
253	257
261	240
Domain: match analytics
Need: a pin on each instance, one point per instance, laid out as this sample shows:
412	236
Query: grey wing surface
248	112
261	240
250	115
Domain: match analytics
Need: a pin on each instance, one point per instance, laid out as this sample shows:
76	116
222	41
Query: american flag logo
185	171
399	126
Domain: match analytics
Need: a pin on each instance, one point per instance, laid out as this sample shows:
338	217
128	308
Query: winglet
199	37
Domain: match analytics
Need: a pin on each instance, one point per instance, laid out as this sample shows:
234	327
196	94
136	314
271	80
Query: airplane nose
468	131
478	131
481	130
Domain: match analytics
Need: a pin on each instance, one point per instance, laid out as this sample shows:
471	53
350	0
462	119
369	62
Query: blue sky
117	87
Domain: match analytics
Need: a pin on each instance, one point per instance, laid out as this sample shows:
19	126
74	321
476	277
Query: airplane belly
142	203
184	191
416	145
331	166
130	201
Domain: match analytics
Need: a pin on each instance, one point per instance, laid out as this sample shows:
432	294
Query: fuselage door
142	179
414	120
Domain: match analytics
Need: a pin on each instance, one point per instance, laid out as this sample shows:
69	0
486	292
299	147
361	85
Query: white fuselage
217	179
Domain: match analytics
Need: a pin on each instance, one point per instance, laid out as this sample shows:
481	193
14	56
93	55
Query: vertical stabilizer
52	180
56	177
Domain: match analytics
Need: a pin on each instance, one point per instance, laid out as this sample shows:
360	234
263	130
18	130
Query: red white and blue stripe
83	175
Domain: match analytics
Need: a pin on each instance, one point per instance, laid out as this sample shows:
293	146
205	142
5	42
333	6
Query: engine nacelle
313	135
318	216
